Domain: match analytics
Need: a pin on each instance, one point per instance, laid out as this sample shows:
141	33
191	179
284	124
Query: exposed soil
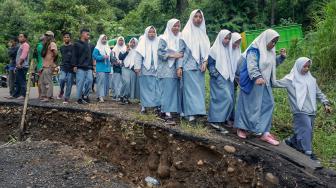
135	150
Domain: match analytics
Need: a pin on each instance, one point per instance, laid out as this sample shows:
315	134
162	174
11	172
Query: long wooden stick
25	104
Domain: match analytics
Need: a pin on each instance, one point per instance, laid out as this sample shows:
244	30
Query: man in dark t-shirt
82	66
67	74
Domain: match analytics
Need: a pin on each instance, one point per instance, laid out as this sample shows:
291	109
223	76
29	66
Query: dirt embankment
138	150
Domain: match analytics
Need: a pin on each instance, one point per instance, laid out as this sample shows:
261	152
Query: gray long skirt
193	93
129	83
254	110
170	101
149	91
221	99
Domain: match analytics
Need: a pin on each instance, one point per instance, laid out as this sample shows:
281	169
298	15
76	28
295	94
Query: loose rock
272	179
229	149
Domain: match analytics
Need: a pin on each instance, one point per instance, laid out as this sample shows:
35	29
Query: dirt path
53	164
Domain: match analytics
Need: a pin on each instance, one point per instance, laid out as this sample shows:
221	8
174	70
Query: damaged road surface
80	148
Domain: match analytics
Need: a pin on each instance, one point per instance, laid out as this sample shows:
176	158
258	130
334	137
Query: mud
138	150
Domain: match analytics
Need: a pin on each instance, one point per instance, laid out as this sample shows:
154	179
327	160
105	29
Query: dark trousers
20	82
11	82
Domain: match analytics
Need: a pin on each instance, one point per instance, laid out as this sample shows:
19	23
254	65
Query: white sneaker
101	100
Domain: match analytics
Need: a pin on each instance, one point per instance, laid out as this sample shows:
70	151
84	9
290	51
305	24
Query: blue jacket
102	65
246	84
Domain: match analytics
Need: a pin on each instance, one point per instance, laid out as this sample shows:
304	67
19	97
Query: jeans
11	82
84	79
66	79
102	84
20	82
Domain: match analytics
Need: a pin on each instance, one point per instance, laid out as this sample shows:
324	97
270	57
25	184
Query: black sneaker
80	101
289	143
314	158
86	99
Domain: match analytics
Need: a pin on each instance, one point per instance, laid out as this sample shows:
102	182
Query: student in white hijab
128	75
236	61
236	51
303	92
117	83
255	107
146	67
195	47
102	55
222	74
120	47
167	56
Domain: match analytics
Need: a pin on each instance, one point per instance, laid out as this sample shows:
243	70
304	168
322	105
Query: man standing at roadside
49	54
66	76
82	66
12	51
22	65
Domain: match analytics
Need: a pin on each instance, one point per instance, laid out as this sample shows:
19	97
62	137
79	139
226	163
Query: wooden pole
25	104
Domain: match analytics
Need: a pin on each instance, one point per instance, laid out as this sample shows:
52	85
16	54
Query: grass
198	129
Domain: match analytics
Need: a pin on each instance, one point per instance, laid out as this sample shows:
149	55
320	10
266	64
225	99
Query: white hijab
303	84
104	49
196	38
236	53
267	59
172	40
117	49
146	47
223	56
129	61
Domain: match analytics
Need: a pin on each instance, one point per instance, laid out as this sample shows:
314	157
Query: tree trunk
273	12
181	5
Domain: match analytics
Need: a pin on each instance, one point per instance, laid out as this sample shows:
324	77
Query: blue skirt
221	99
129	83
170	101
254	110
193	93
149	91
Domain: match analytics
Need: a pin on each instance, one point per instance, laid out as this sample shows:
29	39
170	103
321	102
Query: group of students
167	73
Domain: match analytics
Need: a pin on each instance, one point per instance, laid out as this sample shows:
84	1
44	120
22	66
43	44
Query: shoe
143	112
314	158
44	100
270	139
59	96
114	98
215	126
66	101
100	100
289	143
117	99
229	123
86	99
80	101
191	118
21	98
241	133
10	97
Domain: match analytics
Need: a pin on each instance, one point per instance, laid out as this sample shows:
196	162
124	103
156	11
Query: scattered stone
200	163
163	169
212	147
229	149
133	143
272	179
88	119
230	170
